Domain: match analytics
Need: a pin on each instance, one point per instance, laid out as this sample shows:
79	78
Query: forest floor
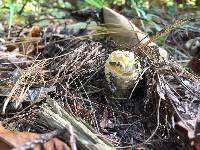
52	81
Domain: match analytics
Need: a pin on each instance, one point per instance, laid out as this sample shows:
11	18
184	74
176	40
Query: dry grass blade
21	86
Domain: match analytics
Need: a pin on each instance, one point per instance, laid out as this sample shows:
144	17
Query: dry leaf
11	139
194	64
197	144
125	32
185	131
120	28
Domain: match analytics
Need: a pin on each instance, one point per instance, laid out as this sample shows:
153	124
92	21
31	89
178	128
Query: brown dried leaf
183	130
197	144
121	29
10	139
194	64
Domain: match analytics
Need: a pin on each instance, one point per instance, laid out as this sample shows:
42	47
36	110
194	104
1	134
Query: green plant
12	9
147	17
95	3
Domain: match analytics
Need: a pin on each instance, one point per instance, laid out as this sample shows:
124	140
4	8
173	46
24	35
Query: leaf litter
69	70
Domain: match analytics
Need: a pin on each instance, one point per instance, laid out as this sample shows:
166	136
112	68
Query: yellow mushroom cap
122	68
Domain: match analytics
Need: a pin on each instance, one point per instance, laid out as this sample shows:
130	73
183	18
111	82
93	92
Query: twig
137	82
158	122
5	121
22	9
92	108
72	139
55	117
185	86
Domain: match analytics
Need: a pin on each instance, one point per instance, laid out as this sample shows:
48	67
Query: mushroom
122	70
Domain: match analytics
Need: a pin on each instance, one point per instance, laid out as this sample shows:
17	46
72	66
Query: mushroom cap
122	68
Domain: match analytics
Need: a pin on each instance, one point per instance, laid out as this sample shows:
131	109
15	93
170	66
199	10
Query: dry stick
72	139
137	82
158	122
168	29
154	132
22	9
82	99
99	105
18	113
93	103
92	108
127	129
184	85
65	38
181	82
54	116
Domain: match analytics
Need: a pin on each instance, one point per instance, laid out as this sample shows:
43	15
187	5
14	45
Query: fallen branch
55	117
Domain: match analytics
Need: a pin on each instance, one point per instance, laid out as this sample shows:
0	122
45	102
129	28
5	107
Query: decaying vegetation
52	82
